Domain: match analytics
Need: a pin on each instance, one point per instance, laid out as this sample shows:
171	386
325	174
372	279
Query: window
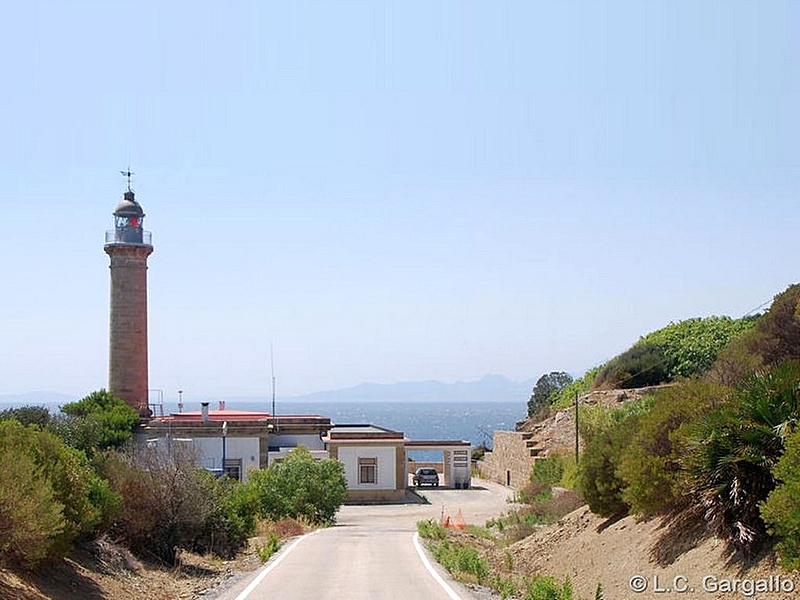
460	458
233	468
367	470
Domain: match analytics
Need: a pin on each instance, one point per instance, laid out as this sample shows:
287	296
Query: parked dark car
426	475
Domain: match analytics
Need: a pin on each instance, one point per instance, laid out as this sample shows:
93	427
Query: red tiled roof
229	415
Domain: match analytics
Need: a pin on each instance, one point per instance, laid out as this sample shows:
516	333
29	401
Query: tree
547	385
28	415
301	487
778	331
100	421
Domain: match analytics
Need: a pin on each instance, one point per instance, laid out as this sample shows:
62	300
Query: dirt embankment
101	570
632	558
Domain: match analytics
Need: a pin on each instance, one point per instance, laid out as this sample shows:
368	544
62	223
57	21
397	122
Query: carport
455	463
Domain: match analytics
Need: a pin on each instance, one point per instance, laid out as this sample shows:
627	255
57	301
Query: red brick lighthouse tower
128	245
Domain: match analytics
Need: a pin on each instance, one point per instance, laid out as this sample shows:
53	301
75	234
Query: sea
471	421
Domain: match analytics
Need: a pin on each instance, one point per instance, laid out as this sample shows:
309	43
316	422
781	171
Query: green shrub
232	519
734	449
777	332
505	586
546	588
599	482
301	487
690	347
651	466
431	530
270	547
460	560
548	470
565	397
642	365
782	508
30	517
516	525
68	497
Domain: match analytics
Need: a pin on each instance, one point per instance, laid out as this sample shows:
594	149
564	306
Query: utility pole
576	427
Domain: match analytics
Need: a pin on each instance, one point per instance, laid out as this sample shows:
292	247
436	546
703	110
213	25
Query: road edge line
267	568
438	578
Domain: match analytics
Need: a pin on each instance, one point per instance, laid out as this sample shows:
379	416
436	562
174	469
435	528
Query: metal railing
135	237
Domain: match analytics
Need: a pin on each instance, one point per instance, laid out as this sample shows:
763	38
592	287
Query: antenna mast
128	174
272	364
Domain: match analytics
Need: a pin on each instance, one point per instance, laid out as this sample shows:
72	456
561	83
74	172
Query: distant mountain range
491	388
49	399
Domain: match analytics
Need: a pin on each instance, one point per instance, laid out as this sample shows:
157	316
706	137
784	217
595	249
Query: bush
565	397
166	501
464	562
30	517
777	333
548	470
651	466
431	530
300	487
734	450
782	508
270	547
58	489
690	347
645	364
773	339
546	588
599	482
232	519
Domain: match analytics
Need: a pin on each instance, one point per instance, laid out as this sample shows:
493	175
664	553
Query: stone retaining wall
511	460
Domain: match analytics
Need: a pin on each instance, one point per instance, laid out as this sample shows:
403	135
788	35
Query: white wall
208	451
387	465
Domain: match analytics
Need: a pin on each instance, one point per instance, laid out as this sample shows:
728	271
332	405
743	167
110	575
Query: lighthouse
128	245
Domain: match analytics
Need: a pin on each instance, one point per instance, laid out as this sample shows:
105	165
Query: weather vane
128	174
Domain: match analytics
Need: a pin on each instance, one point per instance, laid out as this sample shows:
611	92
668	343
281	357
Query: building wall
207	451
511	460
386	466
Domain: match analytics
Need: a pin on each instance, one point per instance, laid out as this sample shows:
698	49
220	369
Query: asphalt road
371	553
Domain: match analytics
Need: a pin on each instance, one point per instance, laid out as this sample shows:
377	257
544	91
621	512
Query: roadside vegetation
720	443
77	476
466	553
715	442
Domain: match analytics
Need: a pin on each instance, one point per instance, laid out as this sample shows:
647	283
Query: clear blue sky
390	191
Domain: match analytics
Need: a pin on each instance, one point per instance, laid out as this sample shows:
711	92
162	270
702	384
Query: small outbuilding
374	460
